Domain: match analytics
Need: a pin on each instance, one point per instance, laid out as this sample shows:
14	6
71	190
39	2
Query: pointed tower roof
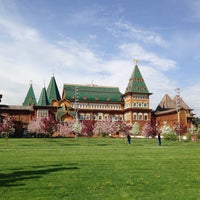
30	97
43	100
52	90
182	103
166	103
136	82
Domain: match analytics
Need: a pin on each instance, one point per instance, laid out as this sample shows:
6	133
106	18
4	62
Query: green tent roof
92	93
136	82
43	100
52	90
30	97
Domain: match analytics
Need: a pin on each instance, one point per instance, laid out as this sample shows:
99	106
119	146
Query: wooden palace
94	102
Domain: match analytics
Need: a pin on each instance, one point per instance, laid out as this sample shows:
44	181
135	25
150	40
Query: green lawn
98	169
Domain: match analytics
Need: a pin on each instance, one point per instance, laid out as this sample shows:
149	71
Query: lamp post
178	110
76	102
76	126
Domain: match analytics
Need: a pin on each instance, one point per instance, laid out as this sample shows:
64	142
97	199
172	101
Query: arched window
135	116
146	117
140	116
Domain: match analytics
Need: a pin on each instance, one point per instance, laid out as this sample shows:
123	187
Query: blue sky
84	41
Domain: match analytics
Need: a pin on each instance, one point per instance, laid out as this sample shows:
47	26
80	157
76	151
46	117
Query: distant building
167	111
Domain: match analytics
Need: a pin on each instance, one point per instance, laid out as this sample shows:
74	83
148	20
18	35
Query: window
87	117
127	105
105	117
100	117
134	116
42	113
145	117
134	104
140	116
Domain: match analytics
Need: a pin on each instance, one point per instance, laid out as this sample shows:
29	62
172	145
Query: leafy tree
76	127
166	129
167	132
148	130
7	127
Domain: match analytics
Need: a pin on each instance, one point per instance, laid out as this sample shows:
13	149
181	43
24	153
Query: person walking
129	139
159	139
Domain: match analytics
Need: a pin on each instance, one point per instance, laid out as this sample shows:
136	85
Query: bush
198	135
187	137
171	136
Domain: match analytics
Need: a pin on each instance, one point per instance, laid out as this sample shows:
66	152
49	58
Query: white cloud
191	96
123	29
154	60
30	57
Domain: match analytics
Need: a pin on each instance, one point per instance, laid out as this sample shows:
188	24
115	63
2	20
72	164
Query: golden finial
135	61
30	82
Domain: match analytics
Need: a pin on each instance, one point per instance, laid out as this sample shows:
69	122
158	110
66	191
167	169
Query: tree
87	127
49	125
43	126
7	127
121	126
135	130
64	129
180	128
148	130
167	132
76	127
166	129
34	127
104	128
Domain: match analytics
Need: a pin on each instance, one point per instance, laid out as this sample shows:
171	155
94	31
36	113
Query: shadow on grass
60	142
14	178
103	144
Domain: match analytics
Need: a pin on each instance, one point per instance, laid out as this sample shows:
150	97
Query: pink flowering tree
43	126
87	127
148	130
64	129
49	125
104	128
121	126
7	127
34	127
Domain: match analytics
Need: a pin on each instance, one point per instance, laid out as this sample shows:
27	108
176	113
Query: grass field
98	169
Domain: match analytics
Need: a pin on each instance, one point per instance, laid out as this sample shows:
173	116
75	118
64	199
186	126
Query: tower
136	99
30	99
43	100
53	92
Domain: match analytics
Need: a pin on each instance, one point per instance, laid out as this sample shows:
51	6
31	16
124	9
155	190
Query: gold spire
135	61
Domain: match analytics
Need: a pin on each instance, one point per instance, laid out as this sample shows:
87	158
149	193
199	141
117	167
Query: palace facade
94	102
